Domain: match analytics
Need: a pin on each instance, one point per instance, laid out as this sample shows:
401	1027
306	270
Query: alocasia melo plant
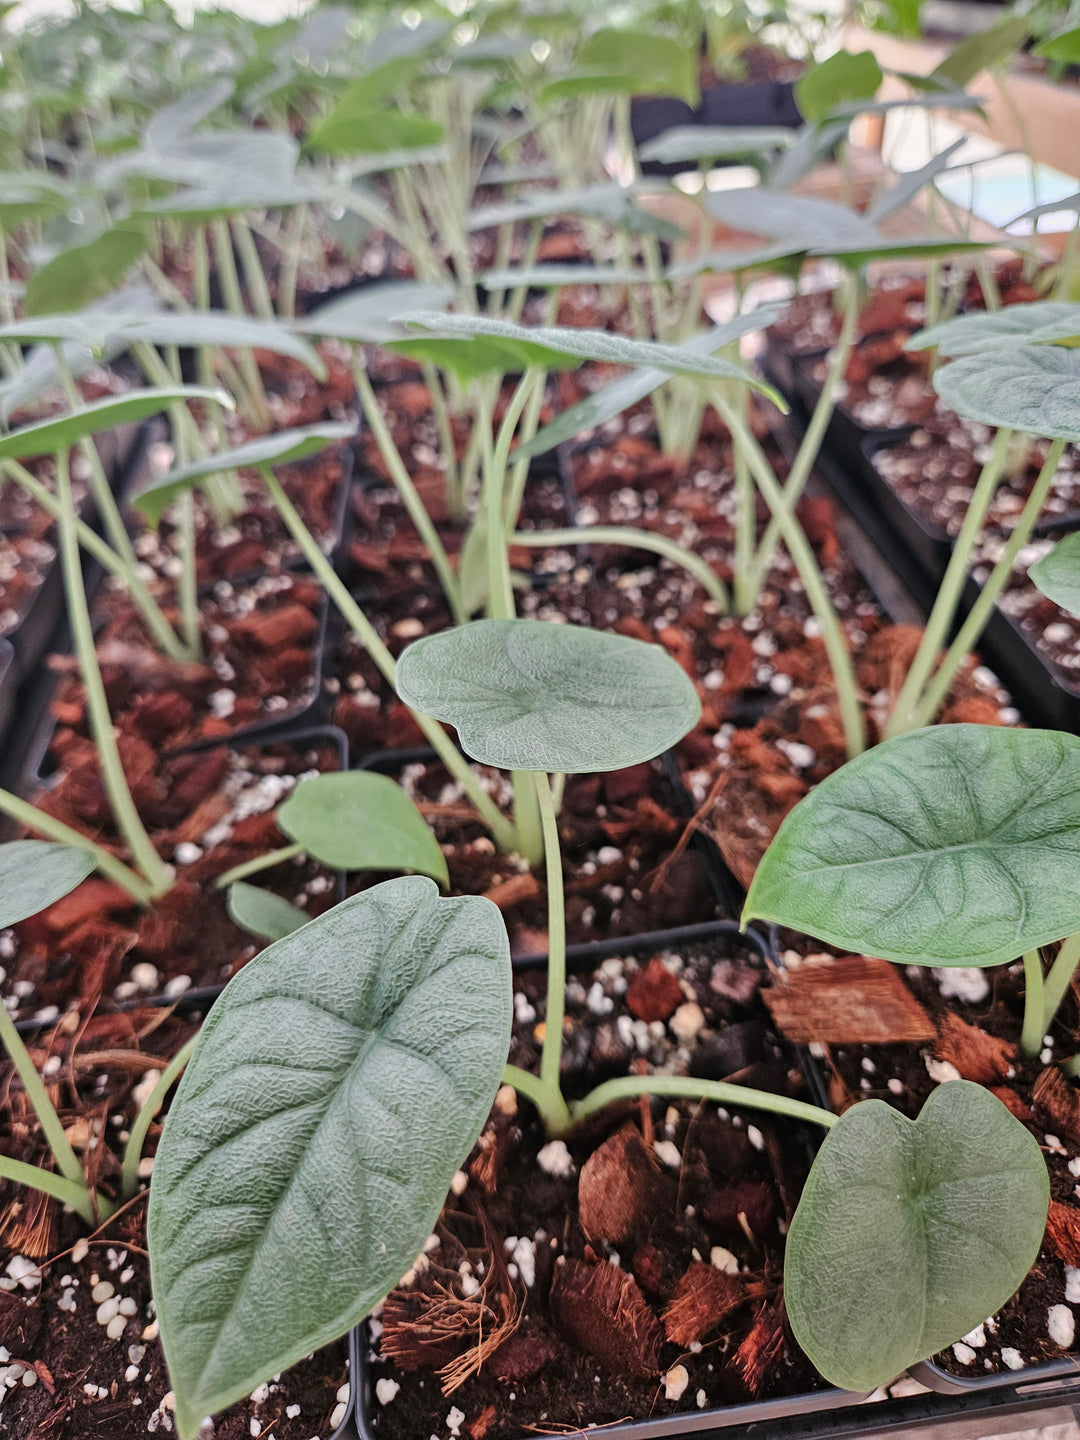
347	1069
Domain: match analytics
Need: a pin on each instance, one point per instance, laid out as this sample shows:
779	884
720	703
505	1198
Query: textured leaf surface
34	874
49	436
1042	322
956	845
368	314
1058	574
529	695
278	449
262	913
1035	388
910	1233
359	820
335	1088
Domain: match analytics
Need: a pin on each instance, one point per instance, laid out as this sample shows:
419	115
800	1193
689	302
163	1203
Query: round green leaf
956	845
1058	574
336	1087
1040	323
842	79
262	913
910	1233
529	695
359	820
278	449
1035	388
34	874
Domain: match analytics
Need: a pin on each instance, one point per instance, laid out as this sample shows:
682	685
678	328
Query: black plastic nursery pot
9	684
759	102
582	959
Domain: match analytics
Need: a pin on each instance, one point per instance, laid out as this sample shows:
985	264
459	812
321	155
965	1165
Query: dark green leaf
277	449
839	80
983	52
336	1087
49	436
1064	46
262	913
1024	387
1058	574
529	695
957	845
78	275
359	820
34	874
910	1233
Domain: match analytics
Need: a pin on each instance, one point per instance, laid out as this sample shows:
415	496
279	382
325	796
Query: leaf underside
1035	388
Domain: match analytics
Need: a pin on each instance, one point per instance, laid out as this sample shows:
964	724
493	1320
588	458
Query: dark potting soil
618	832
79	1352
259	642
970	1022
632	1271
205	812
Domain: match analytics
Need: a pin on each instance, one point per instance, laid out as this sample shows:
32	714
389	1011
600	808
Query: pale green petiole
260	862
129	1183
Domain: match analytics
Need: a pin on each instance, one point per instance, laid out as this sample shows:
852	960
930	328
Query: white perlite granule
1061	1325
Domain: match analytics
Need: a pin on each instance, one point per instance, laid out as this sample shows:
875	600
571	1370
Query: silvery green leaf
910	1233
694	143
956	845
34	874
262	913
367	315
1035	388
49	436
1041	322
335	1088
531	695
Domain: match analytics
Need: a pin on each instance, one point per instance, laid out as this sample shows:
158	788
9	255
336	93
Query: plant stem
455	498
1031	1036
933	697
38	1096
157	874
810	446
253	270
44	824
258	405
116	531
744	583
290	270
693	564
90	1208
905	711
550	1107
551	1054
629	1087
791	532
261	862
129	1182
1058	980
519	471
501	829
410	497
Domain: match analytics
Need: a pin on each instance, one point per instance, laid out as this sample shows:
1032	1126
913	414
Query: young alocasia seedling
957	845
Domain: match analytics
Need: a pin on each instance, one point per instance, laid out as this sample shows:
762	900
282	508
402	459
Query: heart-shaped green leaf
280	448
358	820
612	399
839	80
478	345
529	695
910	1233
367	315
262	913
50	436
336	1087
957	845
34	874
1042	322
694	143
1035	388
1058	574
